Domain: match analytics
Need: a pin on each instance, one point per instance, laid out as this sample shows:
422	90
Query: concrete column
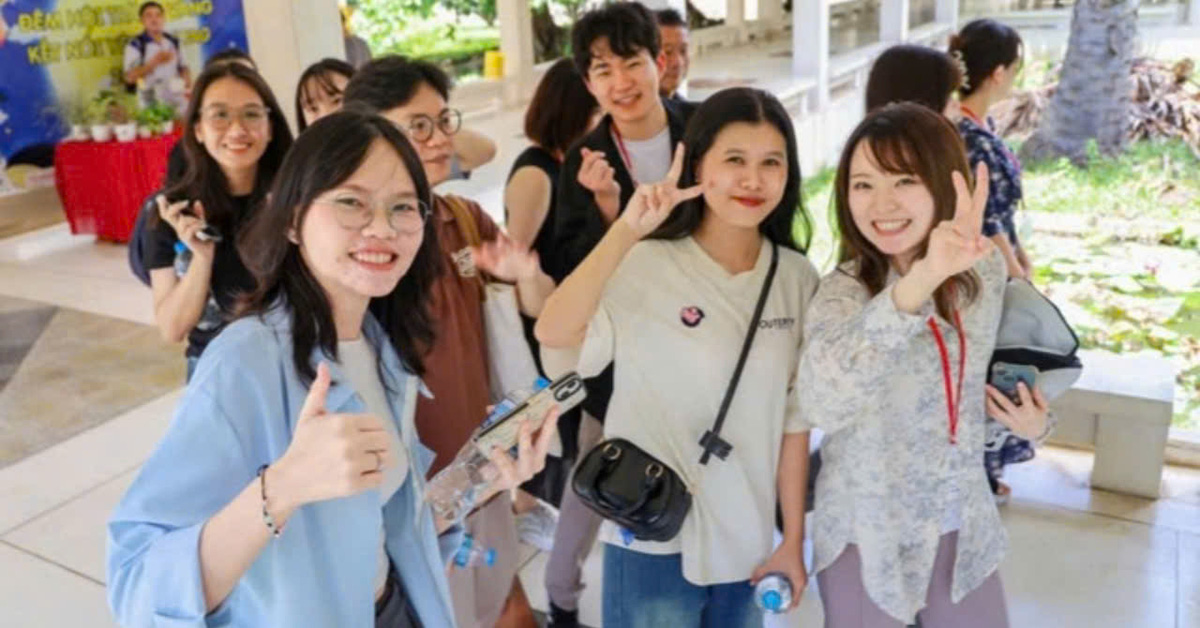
946	12
735	13
286	36
893	21
516	42
810	46
771	12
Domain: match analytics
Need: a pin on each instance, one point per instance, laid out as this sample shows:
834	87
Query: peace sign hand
956	245
652	204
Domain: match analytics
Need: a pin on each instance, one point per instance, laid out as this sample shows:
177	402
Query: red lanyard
624	153
972	115
953	401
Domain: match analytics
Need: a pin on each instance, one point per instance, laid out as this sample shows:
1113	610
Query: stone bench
1121	407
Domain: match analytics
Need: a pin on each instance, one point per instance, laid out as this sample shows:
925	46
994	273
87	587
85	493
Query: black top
579	225
176	165
541	159
230	278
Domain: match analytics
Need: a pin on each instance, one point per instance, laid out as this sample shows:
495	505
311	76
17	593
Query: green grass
1152	180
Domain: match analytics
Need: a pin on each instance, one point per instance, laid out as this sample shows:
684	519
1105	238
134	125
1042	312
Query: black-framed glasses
355	213
220	117
421	126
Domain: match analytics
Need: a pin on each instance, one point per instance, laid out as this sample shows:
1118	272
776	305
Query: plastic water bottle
774	593
453	490
471	554
183	258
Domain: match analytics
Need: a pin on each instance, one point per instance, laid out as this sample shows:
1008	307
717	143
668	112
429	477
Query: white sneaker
536	527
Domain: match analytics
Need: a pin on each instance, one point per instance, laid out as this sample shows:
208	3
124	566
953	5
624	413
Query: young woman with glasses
234	140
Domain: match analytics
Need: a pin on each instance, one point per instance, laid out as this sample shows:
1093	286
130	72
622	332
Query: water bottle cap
489	559
772	601
540	384
180	247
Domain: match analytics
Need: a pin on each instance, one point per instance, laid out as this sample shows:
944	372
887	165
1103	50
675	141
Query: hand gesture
652	204
186	226
163	56
331	455
789	561
956	245
506	260
507	474
1027	420
599	178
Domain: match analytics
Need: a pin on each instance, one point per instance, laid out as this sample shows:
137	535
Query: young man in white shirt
154	54
617	49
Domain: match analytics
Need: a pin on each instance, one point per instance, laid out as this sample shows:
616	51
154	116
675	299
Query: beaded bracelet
276	530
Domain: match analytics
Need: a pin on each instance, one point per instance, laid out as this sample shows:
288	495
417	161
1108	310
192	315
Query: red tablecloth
102	184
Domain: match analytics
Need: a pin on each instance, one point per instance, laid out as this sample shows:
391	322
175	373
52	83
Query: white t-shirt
650	159
674	321
360	364
162	74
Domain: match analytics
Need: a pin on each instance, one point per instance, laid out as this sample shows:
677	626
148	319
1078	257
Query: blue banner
56	55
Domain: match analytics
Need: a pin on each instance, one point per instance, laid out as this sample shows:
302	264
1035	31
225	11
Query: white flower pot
101	132
79	133
168	127
145	132
126	132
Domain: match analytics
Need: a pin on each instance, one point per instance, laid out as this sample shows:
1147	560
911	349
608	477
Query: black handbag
626	485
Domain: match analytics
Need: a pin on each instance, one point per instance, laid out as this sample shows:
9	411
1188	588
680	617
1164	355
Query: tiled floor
1078	558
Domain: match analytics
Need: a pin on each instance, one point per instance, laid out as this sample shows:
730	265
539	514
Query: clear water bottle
453	490
183	258
471	554
774	593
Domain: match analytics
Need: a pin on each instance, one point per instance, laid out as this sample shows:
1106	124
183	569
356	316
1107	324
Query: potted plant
97	115
121	113
163	116
74	115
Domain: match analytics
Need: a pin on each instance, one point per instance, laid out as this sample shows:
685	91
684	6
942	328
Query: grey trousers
576	532
848	606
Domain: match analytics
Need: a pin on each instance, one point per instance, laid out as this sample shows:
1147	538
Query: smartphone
209	234
1005	377
567	392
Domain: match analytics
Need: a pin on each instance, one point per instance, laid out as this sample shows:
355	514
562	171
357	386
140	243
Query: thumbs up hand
331	455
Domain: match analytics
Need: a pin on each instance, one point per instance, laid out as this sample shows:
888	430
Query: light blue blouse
238	413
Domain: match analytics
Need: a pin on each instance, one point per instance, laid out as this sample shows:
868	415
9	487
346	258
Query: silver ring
378	461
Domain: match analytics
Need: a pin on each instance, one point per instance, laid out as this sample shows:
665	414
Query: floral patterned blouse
891	482
1004	167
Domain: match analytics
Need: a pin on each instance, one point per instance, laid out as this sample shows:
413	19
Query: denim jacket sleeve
153	565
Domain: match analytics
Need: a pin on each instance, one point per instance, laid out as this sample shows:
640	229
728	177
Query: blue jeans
648	591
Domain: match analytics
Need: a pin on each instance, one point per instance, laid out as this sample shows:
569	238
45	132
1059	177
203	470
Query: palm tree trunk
1095	89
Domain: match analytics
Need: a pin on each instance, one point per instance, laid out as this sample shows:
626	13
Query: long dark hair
905	138
202	178
984	45
319	73
324	156
740	104
561	109
911	73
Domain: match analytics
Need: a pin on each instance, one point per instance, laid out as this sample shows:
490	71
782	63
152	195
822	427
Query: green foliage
1152	179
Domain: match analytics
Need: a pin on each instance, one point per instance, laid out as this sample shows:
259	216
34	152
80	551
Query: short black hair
891	77
231	53
149	5
320	72
628	26
669	17
561	110
391	81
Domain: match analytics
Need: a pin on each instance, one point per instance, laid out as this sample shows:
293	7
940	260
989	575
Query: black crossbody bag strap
712	442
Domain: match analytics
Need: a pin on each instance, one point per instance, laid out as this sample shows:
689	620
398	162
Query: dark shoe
560	618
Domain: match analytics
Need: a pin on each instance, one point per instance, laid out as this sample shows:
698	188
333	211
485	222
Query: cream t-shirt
674	321
360	364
